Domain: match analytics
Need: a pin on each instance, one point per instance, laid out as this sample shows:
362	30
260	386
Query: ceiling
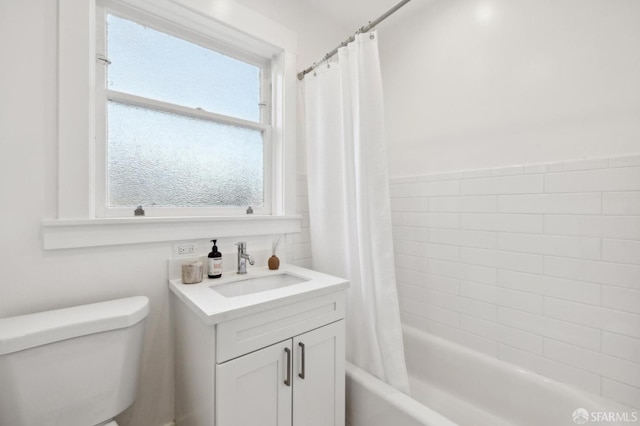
354	14
347	14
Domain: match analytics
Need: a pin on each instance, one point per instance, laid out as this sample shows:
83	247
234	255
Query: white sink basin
257	284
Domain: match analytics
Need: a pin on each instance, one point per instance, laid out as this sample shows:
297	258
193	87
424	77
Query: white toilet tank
71	367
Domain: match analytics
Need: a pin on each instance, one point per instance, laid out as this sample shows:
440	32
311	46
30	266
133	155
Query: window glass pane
152	64
170	160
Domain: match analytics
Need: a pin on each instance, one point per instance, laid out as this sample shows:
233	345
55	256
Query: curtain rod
364	29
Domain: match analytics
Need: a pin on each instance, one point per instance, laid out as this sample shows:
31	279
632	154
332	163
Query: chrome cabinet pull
301	375
288	379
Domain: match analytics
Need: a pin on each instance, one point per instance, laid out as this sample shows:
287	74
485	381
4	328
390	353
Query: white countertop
215	308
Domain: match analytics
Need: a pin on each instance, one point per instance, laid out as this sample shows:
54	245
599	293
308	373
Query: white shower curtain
349	203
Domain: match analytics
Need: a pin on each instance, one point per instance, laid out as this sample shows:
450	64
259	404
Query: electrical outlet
185	249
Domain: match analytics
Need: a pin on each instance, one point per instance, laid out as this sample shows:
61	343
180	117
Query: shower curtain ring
371	36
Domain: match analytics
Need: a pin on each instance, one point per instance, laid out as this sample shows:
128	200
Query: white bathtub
451	385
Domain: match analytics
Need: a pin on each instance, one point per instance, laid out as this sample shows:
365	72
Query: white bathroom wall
302	241
536	264
34	279
489	83
317	32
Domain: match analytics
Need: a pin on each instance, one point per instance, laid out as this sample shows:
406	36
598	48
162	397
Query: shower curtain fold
349	203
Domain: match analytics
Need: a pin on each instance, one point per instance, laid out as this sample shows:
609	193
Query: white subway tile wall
537	265
301	247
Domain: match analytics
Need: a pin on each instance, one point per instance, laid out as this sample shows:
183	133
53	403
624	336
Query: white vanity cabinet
297	382
273	359
250	389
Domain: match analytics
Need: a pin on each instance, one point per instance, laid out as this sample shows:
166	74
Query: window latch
103	59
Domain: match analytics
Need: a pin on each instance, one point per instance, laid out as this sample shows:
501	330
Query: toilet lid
28	331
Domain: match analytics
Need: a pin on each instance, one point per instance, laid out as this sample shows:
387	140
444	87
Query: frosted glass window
164	159
156	65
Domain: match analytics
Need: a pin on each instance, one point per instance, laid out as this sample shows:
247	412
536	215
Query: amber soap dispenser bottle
215	262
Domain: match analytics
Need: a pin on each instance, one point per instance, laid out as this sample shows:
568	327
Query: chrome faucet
243	257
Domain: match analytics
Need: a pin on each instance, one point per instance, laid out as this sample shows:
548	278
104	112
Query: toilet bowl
77	366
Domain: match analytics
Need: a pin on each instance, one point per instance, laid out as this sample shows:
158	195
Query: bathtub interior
451	385
371	402
471	388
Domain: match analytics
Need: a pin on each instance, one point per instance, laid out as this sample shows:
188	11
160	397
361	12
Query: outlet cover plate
189	249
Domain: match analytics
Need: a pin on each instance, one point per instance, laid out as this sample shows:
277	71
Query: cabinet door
318	396
251	389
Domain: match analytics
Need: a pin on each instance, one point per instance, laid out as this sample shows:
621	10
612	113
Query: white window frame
103	95
78	224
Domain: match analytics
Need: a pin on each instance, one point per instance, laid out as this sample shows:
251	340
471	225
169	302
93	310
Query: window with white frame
86	216
183	124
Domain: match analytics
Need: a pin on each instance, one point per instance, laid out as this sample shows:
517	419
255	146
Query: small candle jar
192	272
